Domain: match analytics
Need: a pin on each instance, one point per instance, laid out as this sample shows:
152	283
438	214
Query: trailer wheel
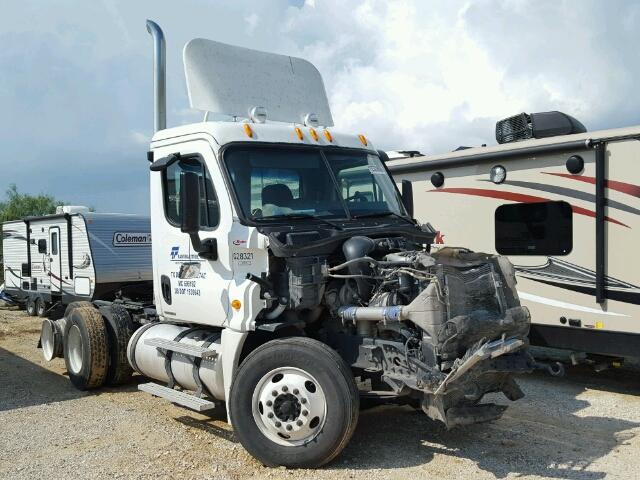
294	402
86	348
31	307
120	328
41	307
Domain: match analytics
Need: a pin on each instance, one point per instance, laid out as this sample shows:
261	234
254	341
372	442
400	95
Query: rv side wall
14	255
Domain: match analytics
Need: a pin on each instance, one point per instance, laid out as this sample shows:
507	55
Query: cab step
175	396
183	348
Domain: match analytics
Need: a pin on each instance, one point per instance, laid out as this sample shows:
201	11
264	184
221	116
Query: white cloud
410	74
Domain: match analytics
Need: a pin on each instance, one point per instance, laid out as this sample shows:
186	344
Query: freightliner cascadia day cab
284	293
564	205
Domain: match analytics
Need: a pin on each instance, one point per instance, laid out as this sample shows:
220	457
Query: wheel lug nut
284	388
305	413
269	403
274	393
278	424
270	415
289	427
303	401
299	423
295	391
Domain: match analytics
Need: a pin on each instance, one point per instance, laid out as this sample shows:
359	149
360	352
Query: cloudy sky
76	85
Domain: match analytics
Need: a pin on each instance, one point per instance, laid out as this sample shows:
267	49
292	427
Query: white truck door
190	288
55	263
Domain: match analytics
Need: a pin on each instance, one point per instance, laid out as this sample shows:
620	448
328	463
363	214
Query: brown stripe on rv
628	188
520	198
568	192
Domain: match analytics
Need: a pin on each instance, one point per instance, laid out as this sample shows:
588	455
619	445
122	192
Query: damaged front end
441	329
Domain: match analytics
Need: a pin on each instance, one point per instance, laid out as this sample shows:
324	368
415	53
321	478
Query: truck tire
86	349
294	402
31	306
41	307
120	328
72	305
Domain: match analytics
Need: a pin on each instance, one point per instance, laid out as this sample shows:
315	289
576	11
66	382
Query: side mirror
190	213
407	196
190	202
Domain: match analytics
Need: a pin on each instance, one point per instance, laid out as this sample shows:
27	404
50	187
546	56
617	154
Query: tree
19	205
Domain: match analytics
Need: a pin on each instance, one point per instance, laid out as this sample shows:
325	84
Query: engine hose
276	312
351	262
371	314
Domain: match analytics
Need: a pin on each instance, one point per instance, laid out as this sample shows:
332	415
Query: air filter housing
536	125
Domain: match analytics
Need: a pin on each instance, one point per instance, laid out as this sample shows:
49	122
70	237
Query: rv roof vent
536	125
70	209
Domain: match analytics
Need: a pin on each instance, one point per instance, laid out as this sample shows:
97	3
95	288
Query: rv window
54	243
209	210
542	228
42	246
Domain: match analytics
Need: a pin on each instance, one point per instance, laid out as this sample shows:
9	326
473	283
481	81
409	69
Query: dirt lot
584	426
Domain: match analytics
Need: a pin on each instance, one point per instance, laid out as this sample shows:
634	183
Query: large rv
75	255
564	205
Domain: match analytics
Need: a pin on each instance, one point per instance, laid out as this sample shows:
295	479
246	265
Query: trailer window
42	246
54	243
541	228
209	209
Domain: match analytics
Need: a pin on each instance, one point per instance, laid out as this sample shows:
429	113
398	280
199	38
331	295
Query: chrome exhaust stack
159	76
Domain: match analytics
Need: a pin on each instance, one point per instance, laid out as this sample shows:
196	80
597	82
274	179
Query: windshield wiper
300	216
382	214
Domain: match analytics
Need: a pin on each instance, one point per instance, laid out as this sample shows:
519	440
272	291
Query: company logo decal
176	256
131	239
239	242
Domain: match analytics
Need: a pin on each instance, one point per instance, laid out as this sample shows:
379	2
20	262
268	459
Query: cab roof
223	133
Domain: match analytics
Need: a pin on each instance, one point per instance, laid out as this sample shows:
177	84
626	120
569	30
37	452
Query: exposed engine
440	330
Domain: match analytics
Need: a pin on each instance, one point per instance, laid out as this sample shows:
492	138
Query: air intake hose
358	247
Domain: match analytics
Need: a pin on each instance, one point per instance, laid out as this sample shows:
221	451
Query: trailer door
55	262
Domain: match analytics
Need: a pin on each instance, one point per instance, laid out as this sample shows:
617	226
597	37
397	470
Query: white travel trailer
564	205
76	255
286	294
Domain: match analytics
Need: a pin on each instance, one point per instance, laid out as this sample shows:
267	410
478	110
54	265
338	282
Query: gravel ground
583	426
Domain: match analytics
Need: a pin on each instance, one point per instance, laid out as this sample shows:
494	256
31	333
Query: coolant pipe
276	312
371	314
159	76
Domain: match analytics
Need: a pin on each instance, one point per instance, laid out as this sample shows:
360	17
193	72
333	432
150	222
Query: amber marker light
299	133
363	140
247	130
314	134
328	136
236	304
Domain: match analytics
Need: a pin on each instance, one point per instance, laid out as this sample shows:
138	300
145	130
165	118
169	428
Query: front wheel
294	403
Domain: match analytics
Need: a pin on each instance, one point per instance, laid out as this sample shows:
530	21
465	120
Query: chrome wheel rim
74	350
289	406
47	338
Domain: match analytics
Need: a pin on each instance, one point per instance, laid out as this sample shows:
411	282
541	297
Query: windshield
272	183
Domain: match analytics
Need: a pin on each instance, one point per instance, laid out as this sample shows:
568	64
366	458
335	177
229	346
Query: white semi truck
285	293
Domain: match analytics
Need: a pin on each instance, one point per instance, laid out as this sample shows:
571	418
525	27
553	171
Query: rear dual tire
274	387
86	351
95	349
